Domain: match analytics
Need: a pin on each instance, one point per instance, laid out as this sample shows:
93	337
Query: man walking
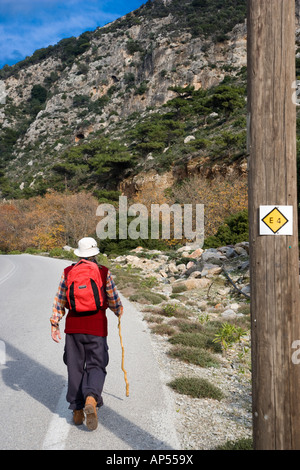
86	349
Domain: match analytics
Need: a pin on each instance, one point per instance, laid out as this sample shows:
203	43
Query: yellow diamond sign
275	220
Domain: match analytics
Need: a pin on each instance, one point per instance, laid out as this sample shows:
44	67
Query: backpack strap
68	269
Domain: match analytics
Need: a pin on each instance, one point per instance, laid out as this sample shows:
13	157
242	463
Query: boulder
246	289
229	314
244	245
172	268
227	251
212	257
189	138
181	267
195	274
190	265
185	248
240	251
68	248
210	270
196	254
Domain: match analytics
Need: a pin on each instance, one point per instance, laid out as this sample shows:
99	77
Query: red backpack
85	291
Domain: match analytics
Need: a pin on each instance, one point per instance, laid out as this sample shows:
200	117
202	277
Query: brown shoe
91	413
78	417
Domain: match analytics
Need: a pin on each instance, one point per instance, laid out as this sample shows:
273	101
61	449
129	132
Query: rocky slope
126	69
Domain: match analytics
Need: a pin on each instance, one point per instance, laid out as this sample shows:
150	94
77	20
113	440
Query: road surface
33	409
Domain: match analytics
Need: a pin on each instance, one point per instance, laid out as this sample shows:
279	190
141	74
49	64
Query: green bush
229	334
80	100
146	296
199	357
33	251
92	165
227	99
129	79
60	253
133	46
178	289
245	443
196	339
39	93
141	89
234	230
162	329
196	387
37	100
69	48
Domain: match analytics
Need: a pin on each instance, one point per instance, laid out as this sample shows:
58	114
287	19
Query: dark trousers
86	357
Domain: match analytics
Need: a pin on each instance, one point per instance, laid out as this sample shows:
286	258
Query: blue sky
27	25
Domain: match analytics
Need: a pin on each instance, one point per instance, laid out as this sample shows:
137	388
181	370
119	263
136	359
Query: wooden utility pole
274	270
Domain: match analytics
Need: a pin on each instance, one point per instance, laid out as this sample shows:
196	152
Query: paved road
34	412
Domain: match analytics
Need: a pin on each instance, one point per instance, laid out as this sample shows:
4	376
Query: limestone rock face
124	71
109	82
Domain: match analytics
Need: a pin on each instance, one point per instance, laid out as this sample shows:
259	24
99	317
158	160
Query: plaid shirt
60	300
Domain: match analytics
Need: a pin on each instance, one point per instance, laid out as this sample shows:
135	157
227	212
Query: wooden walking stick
122	365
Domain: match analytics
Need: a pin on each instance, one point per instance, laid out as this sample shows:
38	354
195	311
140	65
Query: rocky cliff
102	82
123	69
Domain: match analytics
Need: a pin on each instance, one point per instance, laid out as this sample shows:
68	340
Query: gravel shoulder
205	424
202	423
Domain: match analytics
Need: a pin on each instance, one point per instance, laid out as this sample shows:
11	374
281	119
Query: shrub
133	46
196	388
198	340
150	281
197	356
163	329
60	253
169	310
39	93
234	230
147	297
37	100
228	335
92	164
155	133
172	311
187	326
179	289
245	443
141	89
80	100
226	99
129	79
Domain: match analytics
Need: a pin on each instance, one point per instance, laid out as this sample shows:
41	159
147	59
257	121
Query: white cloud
21	37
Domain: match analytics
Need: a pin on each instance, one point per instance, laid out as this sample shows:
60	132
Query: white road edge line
58	430
9	274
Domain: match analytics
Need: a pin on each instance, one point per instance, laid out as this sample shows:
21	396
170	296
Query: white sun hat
86	247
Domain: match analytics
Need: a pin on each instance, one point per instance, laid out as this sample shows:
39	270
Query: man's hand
55	334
